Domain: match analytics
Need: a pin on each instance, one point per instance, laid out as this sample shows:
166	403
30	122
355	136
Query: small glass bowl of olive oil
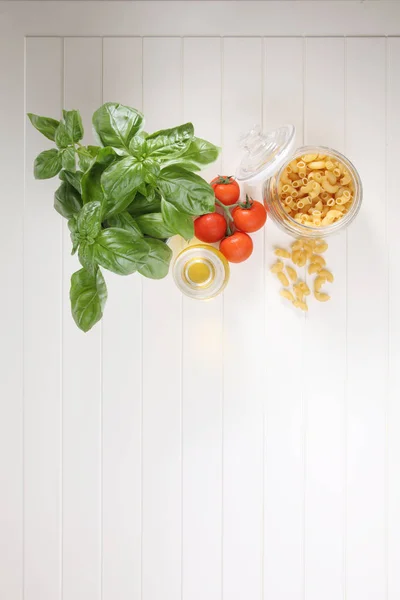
201	272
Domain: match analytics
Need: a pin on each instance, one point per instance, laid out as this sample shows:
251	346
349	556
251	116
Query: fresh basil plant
124	197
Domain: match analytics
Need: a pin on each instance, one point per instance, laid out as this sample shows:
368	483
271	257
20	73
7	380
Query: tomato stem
227	208
224	180
227	214
248	204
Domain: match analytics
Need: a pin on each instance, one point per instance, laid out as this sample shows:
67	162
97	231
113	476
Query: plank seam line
23	340
213	36
346	350
101	391
142	386
182	334
303	343
386	467
222	69
62	355
263	79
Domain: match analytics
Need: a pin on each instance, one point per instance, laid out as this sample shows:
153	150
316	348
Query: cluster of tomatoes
232	221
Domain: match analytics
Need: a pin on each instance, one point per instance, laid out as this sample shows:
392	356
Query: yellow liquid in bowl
201	272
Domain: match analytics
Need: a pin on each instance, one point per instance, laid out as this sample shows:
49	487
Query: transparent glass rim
307	230
220	257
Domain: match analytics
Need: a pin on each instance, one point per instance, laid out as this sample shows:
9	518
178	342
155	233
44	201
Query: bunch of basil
124	197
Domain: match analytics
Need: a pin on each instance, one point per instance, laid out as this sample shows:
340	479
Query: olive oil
201	272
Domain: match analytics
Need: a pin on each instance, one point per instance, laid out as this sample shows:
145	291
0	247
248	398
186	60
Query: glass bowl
276	210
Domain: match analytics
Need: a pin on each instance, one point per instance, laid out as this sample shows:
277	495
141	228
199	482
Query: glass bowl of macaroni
311	192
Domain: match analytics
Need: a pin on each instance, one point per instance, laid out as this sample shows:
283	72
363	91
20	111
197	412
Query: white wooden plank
367	331
324	343
393	414
82	374
12	121
228	18
122	375
122	71
202	361
284	429
43	321
244	349
162	359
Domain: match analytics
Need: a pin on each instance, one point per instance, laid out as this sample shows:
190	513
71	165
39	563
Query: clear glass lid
265	153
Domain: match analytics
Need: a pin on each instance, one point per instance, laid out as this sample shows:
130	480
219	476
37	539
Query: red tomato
237	247
226	189
210	228
250	218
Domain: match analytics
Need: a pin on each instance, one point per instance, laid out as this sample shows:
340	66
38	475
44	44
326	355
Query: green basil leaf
47	164
157	261
142	205
67	201
142	189
120	251
137	146
92	150
88	296
116	124
154	225
89	221
62	138
86	156
45	125
73	178
125	221
198	155
85	254
151	171
73	224
68	159
151	193
167	143
177	221
91	180
73	125
187	191
148	191
119	182
73	227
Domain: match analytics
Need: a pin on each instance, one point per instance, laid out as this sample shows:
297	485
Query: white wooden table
231	449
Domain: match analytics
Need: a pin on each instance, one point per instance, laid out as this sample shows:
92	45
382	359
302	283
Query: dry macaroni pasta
303	252
323	190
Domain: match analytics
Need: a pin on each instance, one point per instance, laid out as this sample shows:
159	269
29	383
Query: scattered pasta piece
305	288
308	249
287	294
283	279
296	257
300	304
282	253
297	245
302	258
327	275
303	253
321	247
314	268
292	273
298	292
318	283
321	297
316	258
277	267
